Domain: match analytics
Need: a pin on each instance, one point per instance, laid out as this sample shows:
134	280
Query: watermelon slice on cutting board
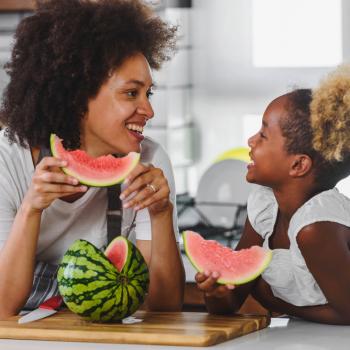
99	172
234	267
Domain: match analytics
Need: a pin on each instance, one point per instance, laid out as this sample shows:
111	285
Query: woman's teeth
135	127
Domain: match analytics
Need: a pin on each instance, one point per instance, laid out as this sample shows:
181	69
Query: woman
82	69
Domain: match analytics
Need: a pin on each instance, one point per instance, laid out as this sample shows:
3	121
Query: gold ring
152	187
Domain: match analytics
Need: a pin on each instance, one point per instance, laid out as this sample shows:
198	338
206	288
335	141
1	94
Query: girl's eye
262	135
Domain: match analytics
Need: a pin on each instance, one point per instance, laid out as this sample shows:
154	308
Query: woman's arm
221	299
17	261
167	276
325	248
17	257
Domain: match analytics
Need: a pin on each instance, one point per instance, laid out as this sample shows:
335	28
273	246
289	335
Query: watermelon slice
235	267
98	172
117	252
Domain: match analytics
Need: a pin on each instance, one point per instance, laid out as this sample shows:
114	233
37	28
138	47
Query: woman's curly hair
330	115
62	55
298	128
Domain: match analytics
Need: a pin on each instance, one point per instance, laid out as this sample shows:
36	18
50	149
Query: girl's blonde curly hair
330	115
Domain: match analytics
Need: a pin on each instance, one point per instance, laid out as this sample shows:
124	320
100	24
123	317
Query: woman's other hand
49	183
149	189
207	283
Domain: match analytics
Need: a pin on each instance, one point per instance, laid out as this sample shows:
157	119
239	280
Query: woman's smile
136	130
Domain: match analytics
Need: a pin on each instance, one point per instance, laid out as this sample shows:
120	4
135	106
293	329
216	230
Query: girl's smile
268	164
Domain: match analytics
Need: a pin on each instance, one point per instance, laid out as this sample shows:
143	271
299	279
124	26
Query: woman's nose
146	109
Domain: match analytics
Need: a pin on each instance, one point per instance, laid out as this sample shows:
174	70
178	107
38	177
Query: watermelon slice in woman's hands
102	171
234	267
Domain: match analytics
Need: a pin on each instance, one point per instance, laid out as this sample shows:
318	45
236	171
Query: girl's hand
49	183
150	190
206	282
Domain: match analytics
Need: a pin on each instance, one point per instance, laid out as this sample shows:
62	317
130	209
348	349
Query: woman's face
270	163
117	115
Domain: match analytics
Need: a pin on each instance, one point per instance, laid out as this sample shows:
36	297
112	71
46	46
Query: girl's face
116	117
270	163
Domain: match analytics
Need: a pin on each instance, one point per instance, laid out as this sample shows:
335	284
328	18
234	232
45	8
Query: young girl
82	70
300	153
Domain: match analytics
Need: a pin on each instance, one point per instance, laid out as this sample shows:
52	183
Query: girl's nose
251	141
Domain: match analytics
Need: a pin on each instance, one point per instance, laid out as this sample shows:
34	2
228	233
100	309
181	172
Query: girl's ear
301	165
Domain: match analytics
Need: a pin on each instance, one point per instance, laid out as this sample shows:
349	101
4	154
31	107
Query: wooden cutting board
159	328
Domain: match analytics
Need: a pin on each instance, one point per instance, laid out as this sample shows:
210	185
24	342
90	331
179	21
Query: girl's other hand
50	183
150	190
207	283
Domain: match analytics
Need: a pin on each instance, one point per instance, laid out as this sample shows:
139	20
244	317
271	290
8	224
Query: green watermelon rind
100	297
95	183
252	277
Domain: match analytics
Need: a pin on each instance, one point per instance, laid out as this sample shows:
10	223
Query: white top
62	223
287	274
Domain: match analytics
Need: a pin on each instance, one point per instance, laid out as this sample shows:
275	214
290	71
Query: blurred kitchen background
234	57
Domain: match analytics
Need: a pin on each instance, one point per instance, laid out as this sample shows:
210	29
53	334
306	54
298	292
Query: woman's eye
132	93
262	135
149	93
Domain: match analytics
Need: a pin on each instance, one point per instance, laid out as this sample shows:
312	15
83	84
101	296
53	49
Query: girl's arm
220	299
325	248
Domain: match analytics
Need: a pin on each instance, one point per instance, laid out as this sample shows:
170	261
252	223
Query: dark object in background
219	209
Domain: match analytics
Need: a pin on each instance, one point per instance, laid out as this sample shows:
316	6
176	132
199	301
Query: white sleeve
143	221
262	210
7	207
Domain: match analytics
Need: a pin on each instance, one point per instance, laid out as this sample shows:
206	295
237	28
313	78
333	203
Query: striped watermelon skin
93	288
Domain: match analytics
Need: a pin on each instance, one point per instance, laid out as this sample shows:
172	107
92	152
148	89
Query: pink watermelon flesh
117	252
234	267
101	171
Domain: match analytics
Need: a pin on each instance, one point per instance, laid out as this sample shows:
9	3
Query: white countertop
297	335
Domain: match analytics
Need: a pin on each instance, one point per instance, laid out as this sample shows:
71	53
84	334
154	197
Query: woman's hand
206	282
149	189
49	183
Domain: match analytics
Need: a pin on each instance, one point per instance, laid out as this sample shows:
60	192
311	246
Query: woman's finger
140	169
57	177
49	162
147	195
60	189
152	179
137	185
162	194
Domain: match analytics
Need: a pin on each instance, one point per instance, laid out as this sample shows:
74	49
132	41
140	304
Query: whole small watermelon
93	287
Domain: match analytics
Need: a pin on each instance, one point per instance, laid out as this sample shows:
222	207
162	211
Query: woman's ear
301	165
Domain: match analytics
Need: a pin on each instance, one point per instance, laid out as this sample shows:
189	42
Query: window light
297	33
251	125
